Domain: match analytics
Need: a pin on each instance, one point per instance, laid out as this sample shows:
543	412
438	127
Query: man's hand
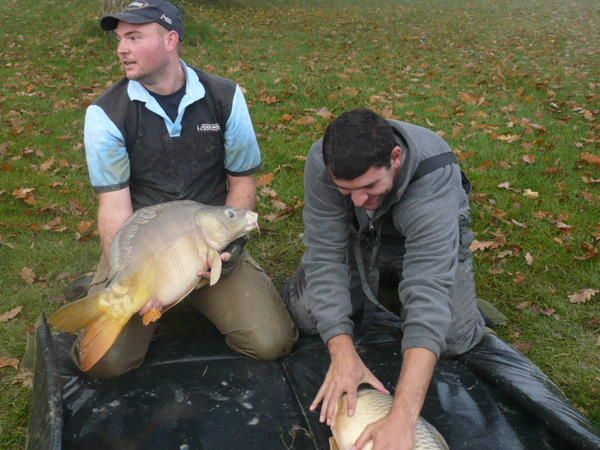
346	372
393	432
230	256
397	431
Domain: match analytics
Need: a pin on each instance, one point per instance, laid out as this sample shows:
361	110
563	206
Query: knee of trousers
266	345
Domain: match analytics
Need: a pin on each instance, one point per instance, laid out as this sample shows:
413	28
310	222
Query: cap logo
137	5
166	19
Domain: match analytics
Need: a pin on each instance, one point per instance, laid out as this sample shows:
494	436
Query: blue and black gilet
165	168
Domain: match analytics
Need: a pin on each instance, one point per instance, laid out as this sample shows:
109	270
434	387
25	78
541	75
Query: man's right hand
346	372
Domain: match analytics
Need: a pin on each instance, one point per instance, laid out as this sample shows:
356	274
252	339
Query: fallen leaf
522	347
24	377
528	193
523	305
478	246
287	117
9	362
84	226
591	252
10	314
529	159
582	296
528	258
325	113
27	275
45	166
504	185
471	99
265	180
590	158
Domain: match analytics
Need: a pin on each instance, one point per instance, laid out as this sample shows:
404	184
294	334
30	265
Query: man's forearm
242	192
415	376
114	208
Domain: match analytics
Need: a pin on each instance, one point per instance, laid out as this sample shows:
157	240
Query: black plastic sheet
193	392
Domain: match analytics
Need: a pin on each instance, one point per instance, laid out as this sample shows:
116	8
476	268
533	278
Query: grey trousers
244	306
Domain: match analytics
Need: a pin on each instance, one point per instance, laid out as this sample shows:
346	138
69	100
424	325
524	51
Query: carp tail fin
77	315
97	339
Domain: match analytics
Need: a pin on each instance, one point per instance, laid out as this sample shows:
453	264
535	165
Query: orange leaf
10	314
529	159
84	226
9	362
265	180
590	158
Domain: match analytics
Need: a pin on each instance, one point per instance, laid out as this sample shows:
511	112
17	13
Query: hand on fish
394	432
225	256
346	372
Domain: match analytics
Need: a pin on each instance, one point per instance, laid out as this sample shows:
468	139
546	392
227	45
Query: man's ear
396	157
172	39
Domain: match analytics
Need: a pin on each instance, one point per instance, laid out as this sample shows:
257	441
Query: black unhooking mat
194	393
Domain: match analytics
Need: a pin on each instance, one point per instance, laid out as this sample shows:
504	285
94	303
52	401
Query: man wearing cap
166	132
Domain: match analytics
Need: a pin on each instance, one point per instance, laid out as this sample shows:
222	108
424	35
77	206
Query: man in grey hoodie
385	196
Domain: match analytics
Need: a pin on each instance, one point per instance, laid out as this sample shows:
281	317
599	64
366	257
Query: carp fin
151	316
97	340
215	267
77	315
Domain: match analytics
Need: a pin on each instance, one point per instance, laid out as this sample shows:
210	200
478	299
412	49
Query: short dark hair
356	141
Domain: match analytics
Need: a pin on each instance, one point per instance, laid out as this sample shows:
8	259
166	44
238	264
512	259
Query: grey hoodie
424	228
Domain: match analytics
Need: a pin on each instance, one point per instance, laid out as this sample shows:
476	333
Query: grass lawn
513	86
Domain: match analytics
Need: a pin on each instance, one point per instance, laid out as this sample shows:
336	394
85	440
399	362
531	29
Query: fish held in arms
371	406
154	259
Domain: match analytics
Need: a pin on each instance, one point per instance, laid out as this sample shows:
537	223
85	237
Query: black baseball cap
160	11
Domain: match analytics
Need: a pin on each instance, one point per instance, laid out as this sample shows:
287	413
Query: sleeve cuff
422	342
343	328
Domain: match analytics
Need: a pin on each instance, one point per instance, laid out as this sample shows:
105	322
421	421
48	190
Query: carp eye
230	213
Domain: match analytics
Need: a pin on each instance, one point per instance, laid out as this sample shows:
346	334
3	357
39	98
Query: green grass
474	71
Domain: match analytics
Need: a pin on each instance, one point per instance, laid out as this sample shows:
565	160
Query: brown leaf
22	192
582	295
47	165
591	252
265	180
84	226
590	158
471	99
9	362
287	118
27	275
522	347
529	159
10	314
477	246
278	204
519	278
325	113
269	99
24	377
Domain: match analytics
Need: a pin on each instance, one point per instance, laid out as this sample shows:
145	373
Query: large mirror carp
154	259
